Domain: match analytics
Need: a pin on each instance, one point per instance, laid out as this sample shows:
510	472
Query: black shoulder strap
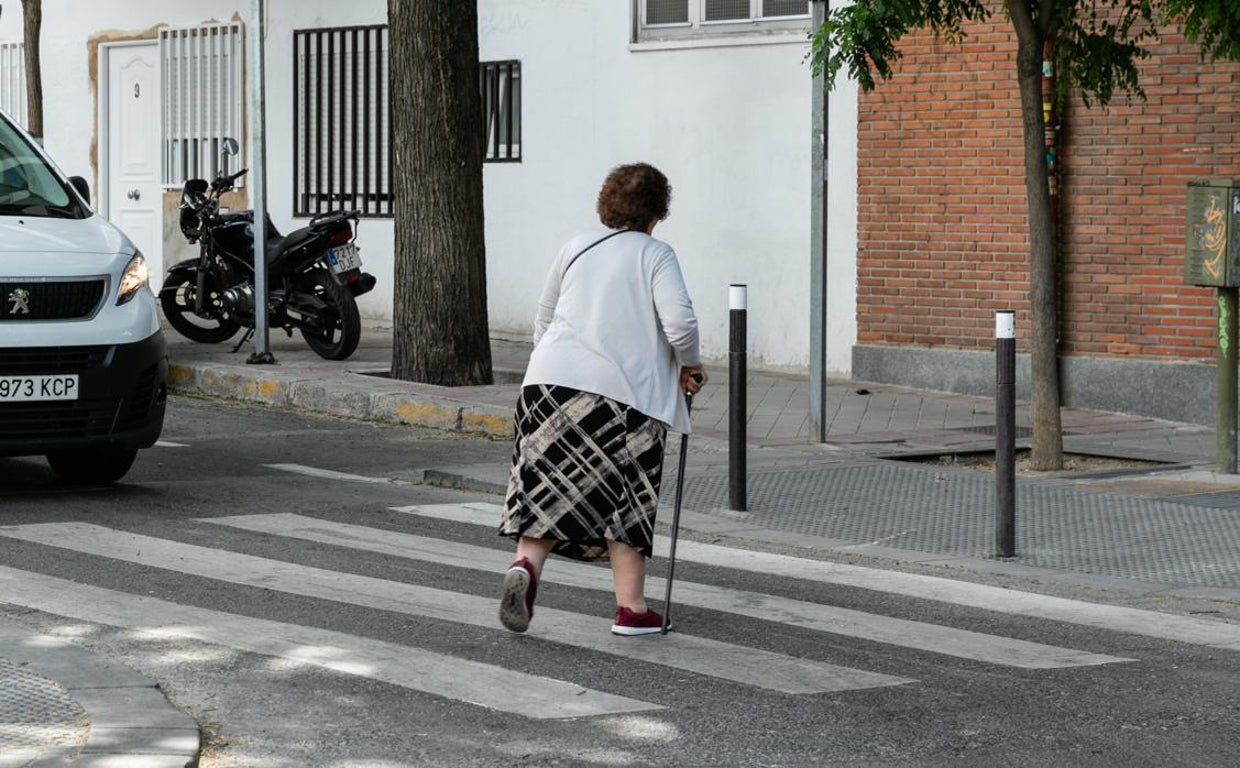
588	247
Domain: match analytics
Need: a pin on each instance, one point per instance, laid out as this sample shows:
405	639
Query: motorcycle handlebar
225	183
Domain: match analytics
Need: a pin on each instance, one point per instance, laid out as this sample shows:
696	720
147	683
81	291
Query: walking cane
680	487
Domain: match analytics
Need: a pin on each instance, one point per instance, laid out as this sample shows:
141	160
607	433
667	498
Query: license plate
344	258
27	388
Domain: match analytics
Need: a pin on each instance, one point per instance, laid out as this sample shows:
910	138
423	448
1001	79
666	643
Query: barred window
202	98
13	81
501	110
696	18
342	138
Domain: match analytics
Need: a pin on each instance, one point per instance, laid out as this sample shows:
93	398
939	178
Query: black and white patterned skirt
585	470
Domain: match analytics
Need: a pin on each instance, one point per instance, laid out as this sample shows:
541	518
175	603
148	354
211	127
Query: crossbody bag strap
573	260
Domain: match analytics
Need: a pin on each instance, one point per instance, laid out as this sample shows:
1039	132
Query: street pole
1225	382
258	181
819	215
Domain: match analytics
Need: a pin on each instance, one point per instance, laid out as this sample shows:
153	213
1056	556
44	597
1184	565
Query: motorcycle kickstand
248	335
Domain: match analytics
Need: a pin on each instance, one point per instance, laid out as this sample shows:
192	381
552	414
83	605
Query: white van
83	363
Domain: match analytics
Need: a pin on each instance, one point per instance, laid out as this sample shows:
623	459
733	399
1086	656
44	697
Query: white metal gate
13	81
201	69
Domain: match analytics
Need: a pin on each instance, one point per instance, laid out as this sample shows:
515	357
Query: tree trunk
1047	428
440	322
32	24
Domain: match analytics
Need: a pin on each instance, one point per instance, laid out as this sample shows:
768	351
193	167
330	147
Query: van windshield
28	186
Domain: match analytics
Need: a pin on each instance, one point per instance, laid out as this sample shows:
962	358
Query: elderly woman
615	346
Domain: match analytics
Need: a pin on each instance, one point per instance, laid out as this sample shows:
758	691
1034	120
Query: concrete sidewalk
859	414
887	484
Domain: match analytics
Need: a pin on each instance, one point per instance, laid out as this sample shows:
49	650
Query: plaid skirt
585	470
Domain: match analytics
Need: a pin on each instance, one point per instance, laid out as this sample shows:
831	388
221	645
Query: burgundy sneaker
629	624
516	606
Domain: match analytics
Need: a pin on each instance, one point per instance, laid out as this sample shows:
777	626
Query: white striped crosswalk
743	665
927	637
493	686
1115	618
483	684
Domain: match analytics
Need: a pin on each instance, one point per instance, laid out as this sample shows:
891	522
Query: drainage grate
990	429
37	713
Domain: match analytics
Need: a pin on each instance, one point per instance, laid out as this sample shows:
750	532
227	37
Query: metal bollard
1005	434
737	408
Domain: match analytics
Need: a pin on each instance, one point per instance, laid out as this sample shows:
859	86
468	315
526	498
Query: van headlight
133	279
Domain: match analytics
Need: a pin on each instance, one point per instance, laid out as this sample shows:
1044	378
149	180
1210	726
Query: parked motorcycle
313	275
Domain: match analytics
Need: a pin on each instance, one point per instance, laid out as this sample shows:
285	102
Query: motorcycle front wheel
177	297
339	329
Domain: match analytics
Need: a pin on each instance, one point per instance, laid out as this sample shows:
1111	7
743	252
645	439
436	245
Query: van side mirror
82	187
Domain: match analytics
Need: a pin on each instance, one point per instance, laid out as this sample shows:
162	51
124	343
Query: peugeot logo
21	301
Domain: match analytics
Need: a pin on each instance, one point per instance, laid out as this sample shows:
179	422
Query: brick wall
942	216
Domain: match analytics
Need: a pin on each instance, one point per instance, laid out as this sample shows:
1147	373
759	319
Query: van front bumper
121	397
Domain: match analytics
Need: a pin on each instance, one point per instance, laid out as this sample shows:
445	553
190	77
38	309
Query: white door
135	195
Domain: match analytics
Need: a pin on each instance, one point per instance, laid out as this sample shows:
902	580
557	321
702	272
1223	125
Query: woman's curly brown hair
634	197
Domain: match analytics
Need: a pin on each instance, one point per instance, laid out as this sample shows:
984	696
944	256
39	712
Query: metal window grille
772	8
696	13
202	98
13	81
501	108
726	10
667	12
342	140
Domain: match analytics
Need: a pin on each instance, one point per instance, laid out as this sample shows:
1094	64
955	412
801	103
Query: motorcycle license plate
344	258
15	389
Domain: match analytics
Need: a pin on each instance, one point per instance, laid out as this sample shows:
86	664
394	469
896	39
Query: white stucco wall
729	125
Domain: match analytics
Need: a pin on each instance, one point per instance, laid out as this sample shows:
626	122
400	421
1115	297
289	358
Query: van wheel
92	468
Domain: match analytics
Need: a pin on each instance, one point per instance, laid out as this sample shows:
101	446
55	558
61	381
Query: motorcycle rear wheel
341	324
177	297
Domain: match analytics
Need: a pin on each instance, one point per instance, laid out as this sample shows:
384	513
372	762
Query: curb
131	722
338	396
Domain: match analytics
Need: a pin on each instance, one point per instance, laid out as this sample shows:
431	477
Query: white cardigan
618	323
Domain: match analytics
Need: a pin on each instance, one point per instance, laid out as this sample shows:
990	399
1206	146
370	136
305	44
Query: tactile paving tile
952	512
36	712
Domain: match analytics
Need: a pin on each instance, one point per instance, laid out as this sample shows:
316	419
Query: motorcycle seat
281	244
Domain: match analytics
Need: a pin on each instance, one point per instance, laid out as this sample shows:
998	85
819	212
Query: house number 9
136	90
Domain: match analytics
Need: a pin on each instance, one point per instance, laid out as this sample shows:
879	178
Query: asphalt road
295	588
